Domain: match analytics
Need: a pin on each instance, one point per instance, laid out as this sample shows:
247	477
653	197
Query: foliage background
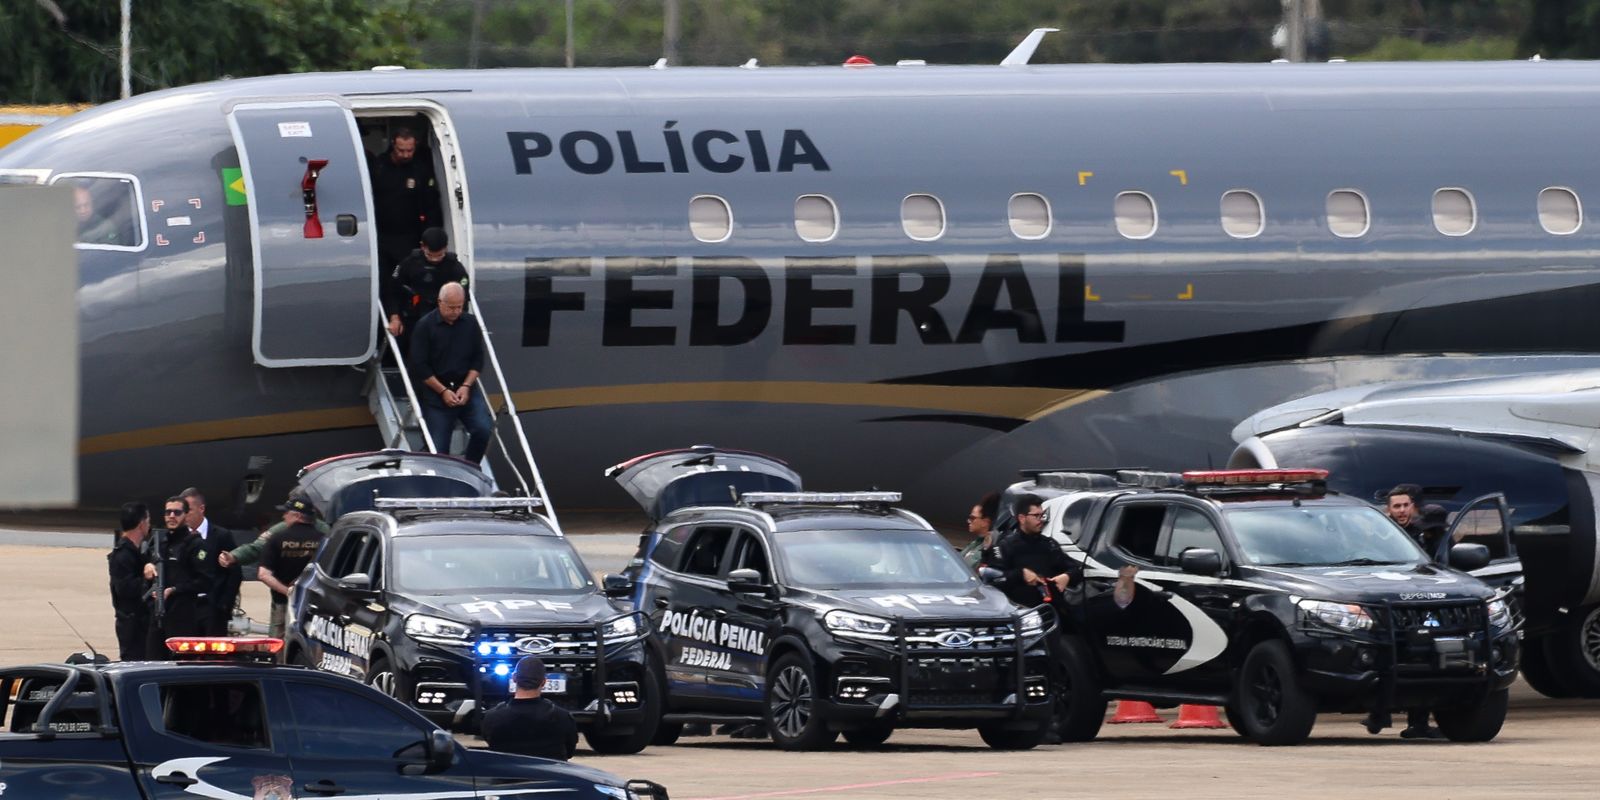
66	50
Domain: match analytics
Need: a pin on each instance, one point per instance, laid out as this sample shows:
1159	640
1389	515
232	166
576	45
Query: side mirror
1468	557
617	586
1200	561
747	581
359	581
990	575
441	749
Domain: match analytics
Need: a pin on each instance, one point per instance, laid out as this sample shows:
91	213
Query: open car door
1487	521
700	476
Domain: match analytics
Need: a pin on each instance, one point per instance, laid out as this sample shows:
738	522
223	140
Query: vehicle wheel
792	717
1235	719
1273	709
667	733
384	678
1478	722
1536	670
1002	738
645	731
870	736
1080	708
1573	649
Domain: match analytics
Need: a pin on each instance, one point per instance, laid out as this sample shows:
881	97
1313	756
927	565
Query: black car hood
504	769
493	609
1376	584
973	600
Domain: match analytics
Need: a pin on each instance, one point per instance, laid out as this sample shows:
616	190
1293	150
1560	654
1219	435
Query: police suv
1262	592
817	614
211	726
434	599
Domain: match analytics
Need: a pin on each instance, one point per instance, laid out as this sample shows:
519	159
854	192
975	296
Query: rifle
159	547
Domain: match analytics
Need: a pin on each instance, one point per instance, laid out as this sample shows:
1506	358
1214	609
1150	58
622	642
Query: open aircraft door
314	248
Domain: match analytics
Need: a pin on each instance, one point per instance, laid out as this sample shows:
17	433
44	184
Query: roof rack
469	503
819	498
1145	479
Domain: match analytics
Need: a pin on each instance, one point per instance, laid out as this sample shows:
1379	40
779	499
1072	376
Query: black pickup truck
220	729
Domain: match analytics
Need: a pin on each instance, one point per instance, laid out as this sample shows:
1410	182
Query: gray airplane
909	276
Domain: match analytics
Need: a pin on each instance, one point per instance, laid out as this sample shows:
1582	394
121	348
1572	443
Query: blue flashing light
504	650
502	670
483	648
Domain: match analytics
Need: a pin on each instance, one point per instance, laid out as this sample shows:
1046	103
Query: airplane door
314	249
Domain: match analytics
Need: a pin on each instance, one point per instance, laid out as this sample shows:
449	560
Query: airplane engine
1552	516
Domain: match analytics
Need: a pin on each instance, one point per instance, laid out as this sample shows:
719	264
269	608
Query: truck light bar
817	498
1252	477
478	503
222	645
1151	480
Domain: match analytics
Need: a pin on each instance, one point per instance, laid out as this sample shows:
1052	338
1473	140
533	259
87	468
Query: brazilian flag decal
233	186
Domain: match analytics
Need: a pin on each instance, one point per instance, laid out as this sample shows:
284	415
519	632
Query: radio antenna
75	632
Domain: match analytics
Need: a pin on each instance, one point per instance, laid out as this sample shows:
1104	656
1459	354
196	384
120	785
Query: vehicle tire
1477	722
1273	709
999	737
667	733
1080	708
1235	719
1535	667
869	736
386	679
1573	649
792	705
644	733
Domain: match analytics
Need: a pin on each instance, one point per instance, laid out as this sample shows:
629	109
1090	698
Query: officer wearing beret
529	724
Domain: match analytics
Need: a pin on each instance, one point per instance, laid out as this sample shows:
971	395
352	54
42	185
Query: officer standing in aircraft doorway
405	199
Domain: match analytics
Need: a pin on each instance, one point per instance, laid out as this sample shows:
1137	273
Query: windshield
1300	536
472	563
838	559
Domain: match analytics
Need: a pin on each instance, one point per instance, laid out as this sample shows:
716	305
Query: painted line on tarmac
952	776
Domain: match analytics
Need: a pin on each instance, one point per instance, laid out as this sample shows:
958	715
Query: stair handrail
511	409
411	391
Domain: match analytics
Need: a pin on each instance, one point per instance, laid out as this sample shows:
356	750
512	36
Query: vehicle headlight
621	629
1032	622
1500	613
1347	617
424	628
614	791
861	626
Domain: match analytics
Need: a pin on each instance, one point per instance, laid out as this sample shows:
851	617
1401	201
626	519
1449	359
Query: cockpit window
108	210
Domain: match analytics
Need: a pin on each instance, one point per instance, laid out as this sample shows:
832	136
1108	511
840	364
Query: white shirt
205	528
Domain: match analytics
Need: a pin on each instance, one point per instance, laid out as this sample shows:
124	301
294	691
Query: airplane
916	277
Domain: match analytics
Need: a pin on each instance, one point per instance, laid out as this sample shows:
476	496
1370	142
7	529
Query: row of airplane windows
1243	216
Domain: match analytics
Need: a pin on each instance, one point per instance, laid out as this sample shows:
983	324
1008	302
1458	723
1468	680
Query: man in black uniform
529	724
129	589
191	572
225	592
1035	568
414	285
1404	507
446	358
405	199
286	555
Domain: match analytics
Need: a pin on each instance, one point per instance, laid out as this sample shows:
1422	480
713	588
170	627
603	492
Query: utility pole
127	49
669	31
1294	27
572	54
474	42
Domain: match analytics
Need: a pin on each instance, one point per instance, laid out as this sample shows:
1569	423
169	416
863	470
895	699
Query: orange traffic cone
1198	717
1135	711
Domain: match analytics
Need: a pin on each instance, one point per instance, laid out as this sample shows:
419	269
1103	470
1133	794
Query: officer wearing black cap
413	287
529	724
287	553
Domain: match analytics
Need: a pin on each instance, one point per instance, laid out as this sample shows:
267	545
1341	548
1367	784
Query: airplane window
1348	216
1454	213
1242	215
108	211
922	217
710	219
1560	212
1030	215
816	218
1136	215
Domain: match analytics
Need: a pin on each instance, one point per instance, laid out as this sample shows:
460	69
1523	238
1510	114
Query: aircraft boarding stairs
392	398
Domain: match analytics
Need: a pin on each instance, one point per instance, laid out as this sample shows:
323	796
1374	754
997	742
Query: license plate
555	682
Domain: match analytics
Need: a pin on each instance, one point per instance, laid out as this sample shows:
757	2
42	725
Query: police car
817	614
1262	592
224	722
434	599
